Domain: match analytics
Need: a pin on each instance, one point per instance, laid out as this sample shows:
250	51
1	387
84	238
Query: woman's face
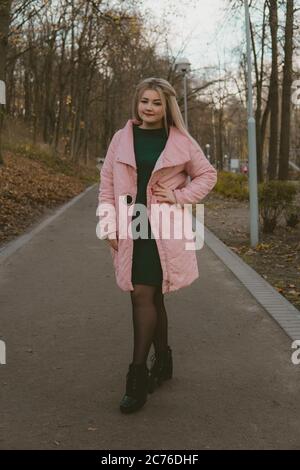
150	107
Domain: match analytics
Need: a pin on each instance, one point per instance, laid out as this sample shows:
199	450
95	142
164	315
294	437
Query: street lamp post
207	151
254	220
185	99
226	162
2	92
183	66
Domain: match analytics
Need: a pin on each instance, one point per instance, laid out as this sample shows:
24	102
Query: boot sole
132	409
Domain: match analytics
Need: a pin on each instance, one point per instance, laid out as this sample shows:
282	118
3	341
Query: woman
148	164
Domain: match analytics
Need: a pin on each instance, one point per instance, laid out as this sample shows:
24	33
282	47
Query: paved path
68	333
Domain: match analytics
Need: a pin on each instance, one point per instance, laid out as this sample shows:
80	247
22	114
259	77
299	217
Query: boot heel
161	369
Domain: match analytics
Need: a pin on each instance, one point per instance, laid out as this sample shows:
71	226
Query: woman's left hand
163	193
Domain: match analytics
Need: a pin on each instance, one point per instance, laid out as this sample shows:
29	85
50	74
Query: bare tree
284	152
274	93
261	114
5	6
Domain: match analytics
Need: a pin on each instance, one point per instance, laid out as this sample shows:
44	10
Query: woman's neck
146	125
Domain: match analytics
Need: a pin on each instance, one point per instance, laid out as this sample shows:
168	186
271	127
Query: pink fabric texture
118	181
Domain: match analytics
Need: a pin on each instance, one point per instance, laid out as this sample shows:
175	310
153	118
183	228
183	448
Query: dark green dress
148	145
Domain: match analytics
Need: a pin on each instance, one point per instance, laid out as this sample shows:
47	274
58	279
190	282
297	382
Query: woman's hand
163	193
113	243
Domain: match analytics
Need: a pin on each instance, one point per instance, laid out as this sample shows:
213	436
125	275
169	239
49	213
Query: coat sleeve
106	200
203	178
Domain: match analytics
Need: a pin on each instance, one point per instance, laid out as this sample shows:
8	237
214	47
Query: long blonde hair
172	113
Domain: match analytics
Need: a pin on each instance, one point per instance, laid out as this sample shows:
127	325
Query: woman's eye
157	104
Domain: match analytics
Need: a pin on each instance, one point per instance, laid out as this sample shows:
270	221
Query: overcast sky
210	31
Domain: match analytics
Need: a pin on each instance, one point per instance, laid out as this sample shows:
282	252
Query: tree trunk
273	143
259	72
220	140
4	26
286	95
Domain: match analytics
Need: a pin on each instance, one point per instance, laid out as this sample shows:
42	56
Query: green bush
274	198
233	185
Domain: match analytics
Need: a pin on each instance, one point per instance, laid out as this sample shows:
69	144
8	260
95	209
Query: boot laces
132	380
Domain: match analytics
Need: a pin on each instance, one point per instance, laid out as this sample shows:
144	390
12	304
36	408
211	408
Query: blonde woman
148	163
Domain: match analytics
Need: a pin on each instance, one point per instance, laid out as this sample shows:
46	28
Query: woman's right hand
113	243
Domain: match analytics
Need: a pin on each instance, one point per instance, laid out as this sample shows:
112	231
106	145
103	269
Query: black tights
150	322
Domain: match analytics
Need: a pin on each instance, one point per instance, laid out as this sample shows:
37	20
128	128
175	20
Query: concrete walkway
68	333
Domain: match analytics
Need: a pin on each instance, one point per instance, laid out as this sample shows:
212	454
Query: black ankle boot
136	388
161	369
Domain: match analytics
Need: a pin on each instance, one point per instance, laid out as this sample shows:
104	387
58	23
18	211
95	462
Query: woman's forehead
151	94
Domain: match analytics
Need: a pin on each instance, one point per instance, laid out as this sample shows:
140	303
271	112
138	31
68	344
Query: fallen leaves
276	257
27	188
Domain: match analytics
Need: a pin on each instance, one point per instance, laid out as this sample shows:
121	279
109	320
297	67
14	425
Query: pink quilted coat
118	185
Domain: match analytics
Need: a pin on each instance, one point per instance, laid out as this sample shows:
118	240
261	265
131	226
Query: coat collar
176	151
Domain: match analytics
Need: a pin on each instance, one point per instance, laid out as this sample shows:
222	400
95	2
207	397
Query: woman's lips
149	114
